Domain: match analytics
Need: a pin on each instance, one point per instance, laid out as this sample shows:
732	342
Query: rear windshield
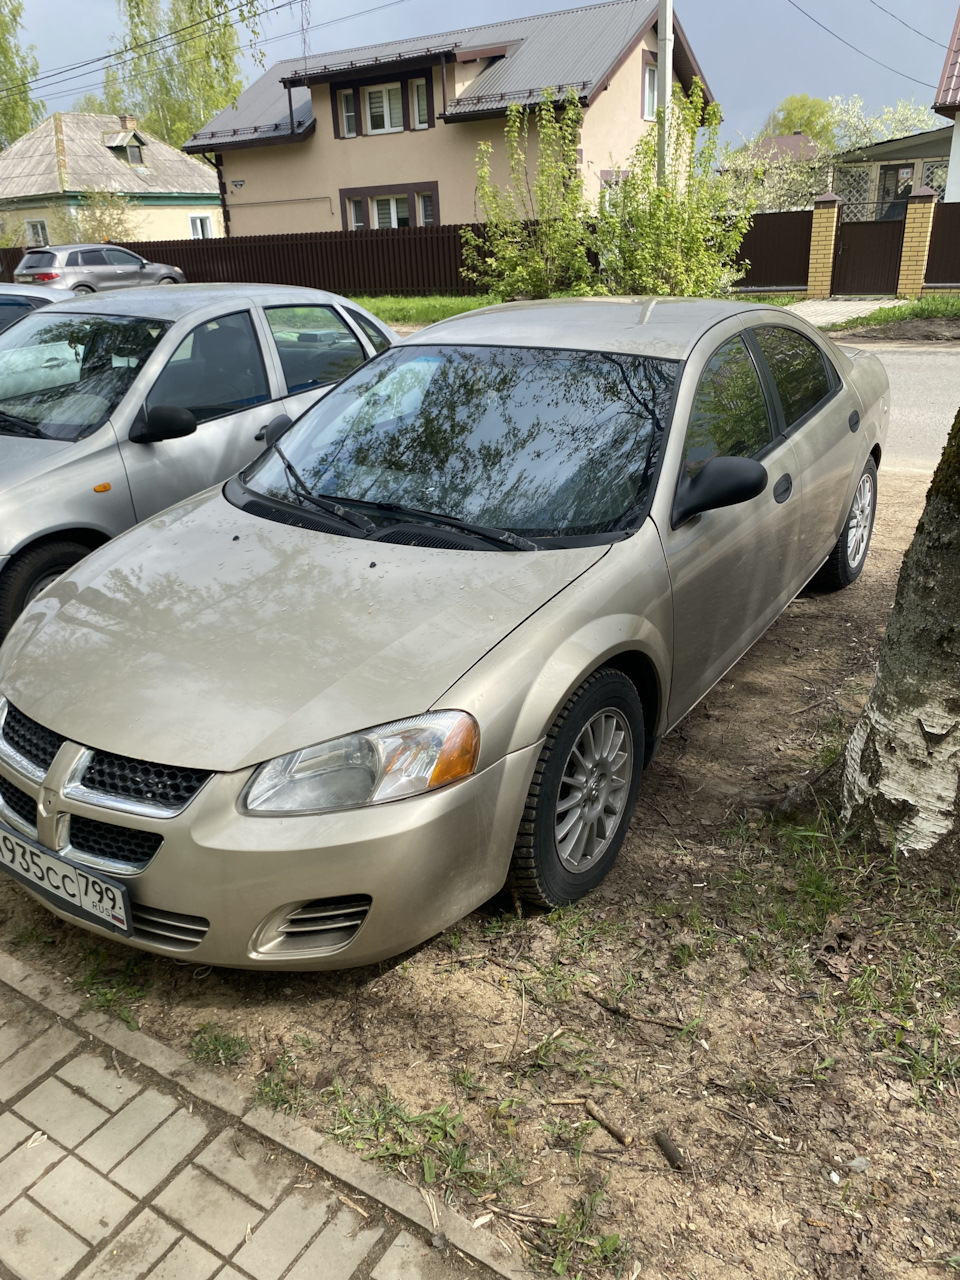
61	376
32	261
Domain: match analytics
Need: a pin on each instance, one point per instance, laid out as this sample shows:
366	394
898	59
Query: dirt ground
934	329
780	1005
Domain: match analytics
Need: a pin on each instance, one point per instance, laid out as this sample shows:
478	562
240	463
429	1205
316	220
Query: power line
926	84
896	17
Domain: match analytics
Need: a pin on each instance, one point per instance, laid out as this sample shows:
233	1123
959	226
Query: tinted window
798	370
12	309
729	414
33	261
316	347
217	369
378	339
93	258
73	259
541	442
119	258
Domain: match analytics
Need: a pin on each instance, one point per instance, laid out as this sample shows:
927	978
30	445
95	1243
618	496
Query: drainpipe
443	81
290	109
664	84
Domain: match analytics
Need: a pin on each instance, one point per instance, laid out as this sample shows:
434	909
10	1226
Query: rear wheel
845	562
82	288
30	573
582	794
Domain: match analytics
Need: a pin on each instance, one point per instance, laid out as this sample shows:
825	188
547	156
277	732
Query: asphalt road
924	399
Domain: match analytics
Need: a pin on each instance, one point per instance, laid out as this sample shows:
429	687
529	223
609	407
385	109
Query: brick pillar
916	242
826	214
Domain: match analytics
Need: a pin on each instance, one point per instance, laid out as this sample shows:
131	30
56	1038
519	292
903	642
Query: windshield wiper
503	537
19	427
299	486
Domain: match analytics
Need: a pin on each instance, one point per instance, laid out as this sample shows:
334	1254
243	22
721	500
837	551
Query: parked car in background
18	300
91	268
311	718
96	393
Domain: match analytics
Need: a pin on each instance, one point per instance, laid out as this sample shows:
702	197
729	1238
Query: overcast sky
753	52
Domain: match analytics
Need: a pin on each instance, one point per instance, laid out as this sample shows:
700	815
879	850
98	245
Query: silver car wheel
593	790
861	518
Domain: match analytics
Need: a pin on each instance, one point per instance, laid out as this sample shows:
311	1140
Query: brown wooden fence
403	260
943	261
777	247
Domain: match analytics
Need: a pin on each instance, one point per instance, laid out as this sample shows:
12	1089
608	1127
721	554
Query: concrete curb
418	1207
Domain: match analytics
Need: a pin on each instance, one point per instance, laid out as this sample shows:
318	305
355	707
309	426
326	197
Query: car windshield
63	375
540	442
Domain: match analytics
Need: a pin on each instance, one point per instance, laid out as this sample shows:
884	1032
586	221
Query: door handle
854	420
783	489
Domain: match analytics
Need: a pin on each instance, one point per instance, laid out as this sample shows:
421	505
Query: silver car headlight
385	763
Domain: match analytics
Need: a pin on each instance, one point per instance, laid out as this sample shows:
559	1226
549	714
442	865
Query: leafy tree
19	112
799	113
855	127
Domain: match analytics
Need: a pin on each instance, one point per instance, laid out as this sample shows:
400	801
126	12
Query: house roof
86	152
930	145
580	48
788	146
947	101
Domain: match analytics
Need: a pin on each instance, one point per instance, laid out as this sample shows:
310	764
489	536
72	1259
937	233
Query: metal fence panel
777	247
943	261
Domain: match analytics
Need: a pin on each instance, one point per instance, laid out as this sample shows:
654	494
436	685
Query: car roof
53	248
664	327
180	300
32	291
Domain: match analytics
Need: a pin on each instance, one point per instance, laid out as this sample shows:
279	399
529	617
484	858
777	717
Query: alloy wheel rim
858	528
593	791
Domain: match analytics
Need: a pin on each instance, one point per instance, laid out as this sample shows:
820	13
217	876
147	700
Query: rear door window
378	339
92	258
729	416
12	309
217	369
316	346
799	370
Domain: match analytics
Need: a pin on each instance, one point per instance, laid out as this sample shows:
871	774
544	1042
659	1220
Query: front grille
326	924
117	844
305	521
167	929
18	802
158	784
31	740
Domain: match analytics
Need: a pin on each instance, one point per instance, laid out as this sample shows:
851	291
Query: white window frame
385	90
355	203
650	91
421	196
199	221
345	129
415	120
36	233
375	212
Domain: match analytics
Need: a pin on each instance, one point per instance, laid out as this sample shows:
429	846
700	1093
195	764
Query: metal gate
867	256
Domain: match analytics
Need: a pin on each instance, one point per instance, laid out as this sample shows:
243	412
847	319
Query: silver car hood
22	457
213	639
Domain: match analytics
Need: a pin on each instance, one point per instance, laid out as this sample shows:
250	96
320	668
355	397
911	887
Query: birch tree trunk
902	766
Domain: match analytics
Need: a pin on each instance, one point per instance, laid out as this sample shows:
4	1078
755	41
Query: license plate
71	887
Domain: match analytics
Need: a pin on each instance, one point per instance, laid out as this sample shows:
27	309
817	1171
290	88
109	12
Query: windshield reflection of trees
81	381
540	442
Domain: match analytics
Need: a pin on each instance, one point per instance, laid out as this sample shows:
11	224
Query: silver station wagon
430	638
97	395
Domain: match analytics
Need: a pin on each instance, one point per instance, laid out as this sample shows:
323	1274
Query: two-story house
387	135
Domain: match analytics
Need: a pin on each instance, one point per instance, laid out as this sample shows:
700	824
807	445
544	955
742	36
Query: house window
391	211
426	208
37	233
357	220
348	114
135	155
201	226
384	109
418	104
650	91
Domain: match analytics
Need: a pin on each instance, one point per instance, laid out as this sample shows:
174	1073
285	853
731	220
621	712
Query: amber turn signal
101	488
458	756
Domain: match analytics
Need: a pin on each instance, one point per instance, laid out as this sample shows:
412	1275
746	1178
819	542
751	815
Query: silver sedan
430	641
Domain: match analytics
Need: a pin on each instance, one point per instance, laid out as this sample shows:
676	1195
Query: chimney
127	122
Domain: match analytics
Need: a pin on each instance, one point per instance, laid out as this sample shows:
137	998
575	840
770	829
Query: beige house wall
148	222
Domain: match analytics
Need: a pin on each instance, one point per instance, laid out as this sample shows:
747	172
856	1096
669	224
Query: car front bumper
382	879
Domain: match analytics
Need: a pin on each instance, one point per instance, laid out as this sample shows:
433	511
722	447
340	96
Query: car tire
83	288
845	562
576	801
167	280
30	572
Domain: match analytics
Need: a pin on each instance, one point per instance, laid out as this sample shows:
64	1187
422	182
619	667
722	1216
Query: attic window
135	154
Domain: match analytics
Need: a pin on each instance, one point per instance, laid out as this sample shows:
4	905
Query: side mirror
163	422
272	432
723	482
142	264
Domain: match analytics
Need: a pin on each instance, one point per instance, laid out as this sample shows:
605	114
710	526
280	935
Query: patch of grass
575	1244
282	1089
834	735
114	986
33	935
216	1048
932	308
423	310
570	1135
771	299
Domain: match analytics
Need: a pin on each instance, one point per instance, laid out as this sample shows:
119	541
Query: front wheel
82	288
167	280
30	573
582	795
845	562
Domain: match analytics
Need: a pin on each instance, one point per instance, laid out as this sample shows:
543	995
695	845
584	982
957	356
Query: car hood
212	639
22	457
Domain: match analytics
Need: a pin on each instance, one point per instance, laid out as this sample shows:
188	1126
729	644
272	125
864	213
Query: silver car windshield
540	442
63	375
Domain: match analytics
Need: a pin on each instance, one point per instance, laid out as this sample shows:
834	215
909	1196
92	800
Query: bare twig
628	1013
611	1127
674	1156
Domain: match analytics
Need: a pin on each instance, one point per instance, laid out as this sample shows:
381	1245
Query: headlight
386	763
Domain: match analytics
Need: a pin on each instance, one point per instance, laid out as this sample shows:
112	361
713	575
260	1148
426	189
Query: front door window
217	369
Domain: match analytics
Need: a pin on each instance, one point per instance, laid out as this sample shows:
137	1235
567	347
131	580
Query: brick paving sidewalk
110	1170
